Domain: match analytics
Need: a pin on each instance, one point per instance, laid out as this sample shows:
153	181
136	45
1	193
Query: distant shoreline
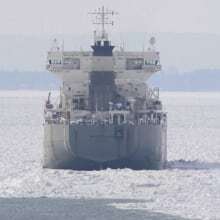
205	80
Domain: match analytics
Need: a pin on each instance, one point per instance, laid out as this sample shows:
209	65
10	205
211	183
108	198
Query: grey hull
84	147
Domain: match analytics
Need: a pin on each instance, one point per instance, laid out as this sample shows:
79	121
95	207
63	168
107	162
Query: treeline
199	80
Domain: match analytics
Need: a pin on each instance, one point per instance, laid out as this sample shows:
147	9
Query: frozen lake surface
188	189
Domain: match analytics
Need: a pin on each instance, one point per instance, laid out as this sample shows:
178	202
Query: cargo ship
107	116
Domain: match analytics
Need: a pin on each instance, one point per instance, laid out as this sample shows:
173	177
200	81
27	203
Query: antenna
62	46
55	45
102	18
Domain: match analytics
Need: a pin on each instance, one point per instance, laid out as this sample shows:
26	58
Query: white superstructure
132	70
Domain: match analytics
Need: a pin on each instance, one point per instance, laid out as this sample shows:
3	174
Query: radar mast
101	17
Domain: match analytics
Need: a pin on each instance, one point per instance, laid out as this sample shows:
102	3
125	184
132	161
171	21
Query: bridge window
134	63
71	63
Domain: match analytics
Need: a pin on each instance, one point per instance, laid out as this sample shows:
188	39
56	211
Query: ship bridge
75	65
128	66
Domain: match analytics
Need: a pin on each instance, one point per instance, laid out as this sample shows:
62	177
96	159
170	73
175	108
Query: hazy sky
70	16
43	17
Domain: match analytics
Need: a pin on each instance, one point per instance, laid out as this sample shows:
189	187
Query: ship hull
92	147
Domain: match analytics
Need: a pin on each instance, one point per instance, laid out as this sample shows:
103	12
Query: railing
52	116
116	117
152	67
60	67
154	119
